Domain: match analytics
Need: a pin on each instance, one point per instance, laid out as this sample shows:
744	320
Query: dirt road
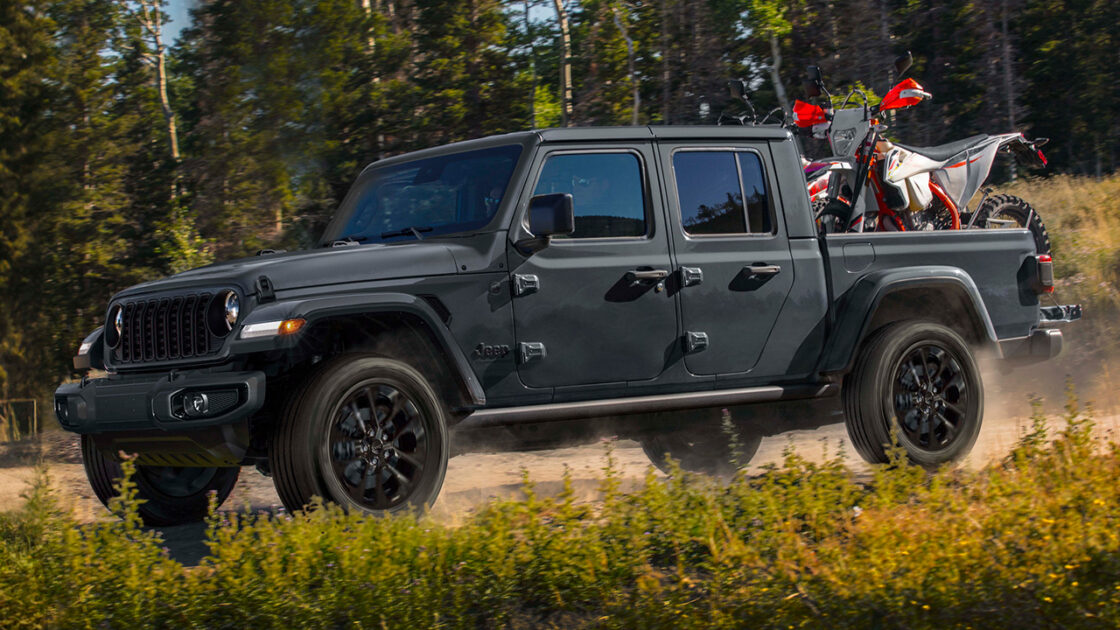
474	478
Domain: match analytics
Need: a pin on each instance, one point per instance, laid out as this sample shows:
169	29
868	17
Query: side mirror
815	75
551	215
737	88
903	63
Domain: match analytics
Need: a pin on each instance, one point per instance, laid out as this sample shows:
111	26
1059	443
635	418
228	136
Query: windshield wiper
413	231
348	240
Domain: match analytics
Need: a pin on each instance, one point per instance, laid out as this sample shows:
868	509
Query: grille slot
165	329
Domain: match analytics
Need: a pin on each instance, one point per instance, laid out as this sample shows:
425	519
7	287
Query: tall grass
1030	542
1082	215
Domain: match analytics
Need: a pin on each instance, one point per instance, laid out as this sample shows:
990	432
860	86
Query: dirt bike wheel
1009	207
831	216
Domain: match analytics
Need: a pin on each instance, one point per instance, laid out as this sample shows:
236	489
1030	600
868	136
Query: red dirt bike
902	187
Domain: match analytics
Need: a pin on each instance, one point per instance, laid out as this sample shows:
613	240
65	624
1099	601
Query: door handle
763	270
639	276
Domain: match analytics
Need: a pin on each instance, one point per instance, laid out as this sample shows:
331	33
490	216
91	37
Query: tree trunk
165	104
565	65
665	74
637	96
151	18
532	70
775	76
1008	81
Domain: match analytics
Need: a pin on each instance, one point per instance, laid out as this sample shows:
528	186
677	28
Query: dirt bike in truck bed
539	279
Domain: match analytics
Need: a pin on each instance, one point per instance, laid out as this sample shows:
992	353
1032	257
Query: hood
296	270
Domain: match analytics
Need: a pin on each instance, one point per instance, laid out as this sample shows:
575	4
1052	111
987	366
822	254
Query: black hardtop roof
598	134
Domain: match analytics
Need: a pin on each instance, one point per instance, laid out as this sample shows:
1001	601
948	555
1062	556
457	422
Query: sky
180	18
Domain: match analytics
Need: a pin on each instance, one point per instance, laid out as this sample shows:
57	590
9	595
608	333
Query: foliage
1030	541
279	104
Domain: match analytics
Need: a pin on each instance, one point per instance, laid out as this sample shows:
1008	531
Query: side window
709	192
754	189
722	192
607	192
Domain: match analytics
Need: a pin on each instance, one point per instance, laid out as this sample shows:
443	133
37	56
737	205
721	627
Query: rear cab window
722	192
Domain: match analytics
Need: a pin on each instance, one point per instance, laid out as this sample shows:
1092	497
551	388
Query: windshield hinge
265	292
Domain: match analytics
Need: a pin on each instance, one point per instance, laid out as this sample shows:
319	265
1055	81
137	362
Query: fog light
196	405
61	410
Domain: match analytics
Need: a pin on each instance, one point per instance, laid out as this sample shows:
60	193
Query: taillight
1044	274
1041	157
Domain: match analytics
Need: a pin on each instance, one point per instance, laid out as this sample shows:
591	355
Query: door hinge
529	350
525	283
695	341
691	276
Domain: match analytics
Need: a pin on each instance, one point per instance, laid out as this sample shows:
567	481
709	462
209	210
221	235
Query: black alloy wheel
917	382
366	432
378	447
930	396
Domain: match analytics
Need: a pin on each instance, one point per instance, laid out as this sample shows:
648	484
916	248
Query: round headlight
233	309
115	326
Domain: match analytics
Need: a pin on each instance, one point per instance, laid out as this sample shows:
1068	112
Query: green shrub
1029	542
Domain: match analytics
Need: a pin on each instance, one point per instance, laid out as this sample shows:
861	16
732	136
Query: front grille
165	329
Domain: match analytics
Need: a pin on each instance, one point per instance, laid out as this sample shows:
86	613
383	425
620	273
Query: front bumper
121	403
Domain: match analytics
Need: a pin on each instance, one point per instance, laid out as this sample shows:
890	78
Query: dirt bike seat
943	152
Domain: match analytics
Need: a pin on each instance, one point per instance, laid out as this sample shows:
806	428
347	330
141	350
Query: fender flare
320	308
856	310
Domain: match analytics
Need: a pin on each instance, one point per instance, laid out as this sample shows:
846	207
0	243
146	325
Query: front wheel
832	216
919	382
1008	211
170	495
366	432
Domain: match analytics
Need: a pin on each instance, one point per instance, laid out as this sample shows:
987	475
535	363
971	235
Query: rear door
593	307
732	255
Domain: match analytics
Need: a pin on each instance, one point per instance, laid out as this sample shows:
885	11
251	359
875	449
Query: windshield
439	195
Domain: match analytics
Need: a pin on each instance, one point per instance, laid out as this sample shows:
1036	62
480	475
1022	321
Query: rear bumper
138	403
1040	345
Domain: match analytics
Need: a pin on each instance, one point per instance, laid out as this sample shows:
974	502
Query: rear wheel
366	432
1008	211
920	381
170	495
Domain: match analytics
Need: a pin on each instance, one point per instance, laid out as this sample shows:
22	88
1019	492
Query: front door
732	253
593	307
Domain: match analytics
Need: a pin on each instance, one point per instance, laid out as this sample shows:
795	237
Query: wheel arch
946	295
397	324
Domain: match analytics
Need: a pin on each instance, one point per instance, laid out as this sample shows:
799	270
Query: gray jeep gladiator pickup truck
547	277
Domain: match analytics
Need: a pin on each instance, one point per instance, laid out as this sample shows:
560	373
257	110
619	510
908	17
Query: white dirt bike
900	187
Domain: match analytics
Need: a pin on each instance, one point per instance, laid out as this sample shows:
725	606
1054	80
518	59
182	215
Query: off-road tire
1018	209
871	395
170	495
831	215
301	453
704	450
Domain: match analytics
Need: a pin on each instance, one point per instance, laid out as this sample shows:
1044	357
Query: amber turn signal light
291	326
